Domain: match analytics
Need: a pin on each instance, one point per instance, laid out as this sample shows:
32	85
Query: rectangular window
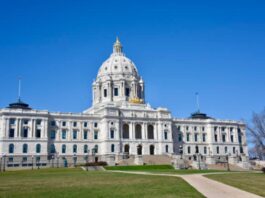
10	159
95	135
215	137
74	134
217	150
111	134
204	137
11	133
25	122
232	138
223	137
116	91
223	128
196	137
95	124
85	124
25	132
63	123
180	137
74	124
203	128
12	121
52	123
195	128
53	134
188	137
38	122
127	92
234	150
63	134
165	135
215	129
205	150
105	93
38	133
85	135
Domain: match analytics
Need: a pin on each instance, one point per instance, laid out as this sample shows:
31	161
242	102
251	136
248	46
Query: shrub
263	169
100	163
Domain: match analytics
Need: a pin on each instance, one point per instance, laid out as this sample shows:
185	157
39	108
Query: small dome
118	64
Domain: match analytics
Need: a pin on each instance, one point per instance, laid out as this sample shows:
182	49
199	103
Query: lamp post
227	160
93	154
32	158
87	160
74	159
199	161
57	156
38	162
4	167
1	164
181	151
52	161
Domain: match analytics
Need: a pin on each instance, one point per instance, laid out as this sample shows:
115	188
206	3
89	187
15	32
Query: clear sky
216	48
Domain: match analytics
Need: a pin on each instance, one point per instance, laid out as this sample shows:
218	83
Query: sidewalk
209	188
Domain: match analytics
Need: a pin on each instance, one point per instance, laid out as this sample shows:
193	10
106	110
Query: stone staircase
220	166
147	159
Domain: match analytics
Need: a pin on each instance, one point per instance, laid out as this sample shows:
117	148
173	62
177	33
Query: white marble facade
119	123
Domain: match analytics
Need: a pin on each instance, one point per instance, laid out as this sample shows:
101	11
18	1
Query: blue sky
216	48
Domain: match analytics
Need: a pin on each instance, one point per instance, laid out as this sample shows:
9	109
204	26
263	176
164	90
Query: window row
73	148
12	121
24	133
74	124
138	132
116	92
75	135
11	148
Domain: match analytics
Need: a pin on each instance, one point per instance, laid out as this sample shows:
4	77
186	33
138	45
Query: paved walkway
208	187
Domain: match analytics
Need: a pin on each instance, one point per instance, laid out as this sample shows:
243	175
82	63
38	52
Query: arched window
112	148
11	148
152	149
112	134
166	148
38	148
25	148
217	149
205	150
138	131
225	149
139	150
188	149
75	148
85	149
63	148
165	135
96	149
52	149
125	131
150	131
196	149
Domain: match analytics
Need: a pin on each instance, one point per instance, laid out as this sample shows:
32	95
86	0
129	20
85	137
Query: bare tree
256	132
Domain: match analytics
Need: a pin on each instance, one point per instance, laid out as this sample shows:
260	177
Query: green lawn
159	169
79	183
251	182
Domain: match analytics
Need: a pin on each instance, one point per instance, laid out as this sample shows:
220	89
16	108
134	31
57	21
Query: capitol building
119	128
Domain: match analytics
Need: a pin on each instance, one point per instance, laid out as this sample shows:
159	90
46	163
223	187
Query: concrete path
211	188
208	187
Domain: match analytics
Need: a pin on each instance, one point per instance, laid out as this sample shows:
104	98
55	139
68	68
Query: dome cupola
118	79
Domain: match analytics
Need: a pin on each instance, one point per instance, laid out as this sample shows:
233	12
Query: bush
263	169
100	163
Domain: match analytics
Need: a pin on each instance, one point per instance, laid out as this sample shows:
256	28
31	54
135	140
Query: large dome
118	64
